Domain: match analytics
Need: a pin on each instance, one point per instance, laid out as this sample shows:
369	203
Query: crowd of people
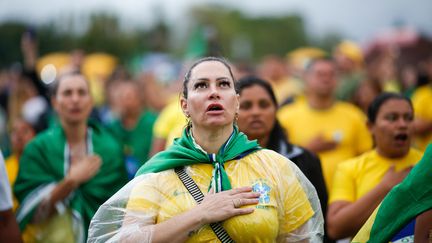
302	148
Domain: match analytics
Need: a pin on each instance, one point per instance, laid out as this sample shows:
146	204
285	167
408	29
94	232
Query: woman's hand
83	170
392	177
321	144
217	207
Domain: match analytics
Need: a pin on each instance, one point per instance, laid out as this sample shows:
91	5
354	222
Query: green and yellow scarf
185	151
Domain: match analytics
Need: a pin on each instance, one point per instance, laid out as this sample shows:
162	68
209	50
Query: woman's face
129	100
73	102
212	100
21	134
257	112
393	128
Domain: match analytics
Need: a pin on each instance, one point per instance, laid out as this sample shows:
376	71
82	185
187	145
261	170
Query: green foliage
266	35
103	34
216	30
50	39
328	41
10	42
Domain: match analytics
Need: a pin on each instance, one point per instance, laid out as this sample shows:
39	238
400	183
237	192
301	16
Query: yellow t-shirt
12	166
283	205
422	100
358	176
343	123
170	120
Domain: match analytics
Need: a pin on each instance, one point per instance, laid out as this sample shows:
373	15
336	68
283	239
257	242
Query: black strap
196	193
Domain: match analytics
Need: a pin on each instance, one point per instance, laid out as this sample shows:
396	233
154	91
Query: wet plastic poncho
288	208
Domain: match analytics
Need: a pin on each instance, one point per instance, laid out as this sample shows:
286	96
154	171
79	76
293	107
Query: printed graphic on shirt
264	189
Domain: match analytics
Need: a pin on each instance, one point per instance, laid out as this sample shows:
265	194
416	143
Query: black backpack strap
196	193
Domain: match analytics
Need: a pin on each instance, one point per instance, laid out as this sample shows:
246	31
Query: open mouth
75	110
215	107
401	137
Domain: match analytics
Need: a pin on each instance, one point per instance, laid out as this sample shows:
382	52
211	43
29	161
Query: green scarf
44	163
405	201
184	152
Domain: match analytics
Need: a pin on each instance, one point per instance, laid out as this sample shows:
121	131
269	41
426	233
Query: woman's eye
225	84
408	117
264	104
245	105
391	117
82	92
67	92
200	85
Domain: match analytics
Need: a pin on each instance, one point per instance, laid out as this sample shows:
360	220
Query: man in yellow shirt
335	130
361	183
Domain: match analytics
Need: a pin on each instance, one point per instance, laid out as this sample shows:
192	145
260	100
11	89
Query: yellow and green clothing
283	206
358	176
342	122
288	206
422	100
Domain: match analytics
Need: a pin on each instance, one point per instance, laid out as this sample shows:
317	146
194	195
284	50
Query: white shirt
5	190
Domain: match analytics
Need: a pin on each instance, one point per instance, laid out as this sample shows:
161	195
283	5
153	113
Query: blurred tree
51	39
10	42
328	41
266	35
103	35
217	30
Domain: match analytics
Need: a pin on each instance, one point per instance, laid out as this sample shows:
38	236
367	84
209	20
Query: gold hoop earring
188	121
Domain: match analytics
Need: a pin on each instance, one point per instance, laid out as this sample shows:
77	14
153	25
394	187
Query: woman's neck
75	133
211	140
394	155
129	121
263	141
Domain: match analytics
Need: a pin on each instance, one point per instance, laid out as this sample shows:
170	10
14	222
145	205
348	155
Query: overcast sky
355	19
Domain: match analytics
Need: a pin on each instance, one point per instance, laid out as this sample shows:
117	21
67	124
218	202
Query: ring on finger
237	202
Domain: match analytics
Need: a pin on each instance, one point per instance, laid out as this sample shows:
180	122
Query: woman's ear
184	107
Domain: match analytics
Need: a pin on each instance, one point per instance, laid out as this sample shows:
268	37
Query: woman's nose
255	110
214	93
75	97
402	122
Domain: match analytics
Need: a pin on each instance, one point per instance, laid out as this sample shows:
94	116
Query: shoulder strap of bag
196	193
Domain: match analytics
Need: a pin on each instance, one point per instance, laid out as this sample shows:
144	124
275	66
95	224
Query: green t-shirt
136	142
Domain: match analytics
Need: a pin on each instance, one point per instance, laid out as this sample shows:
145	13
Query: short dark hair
205	59
250	81
376	104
